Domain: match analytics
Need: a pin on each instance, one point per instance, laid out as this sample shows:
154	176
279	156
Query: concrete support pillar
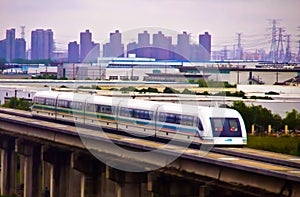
202	191
90	170
64	180
31	169
22	164
47	177
8	167
127	183
62	175
107	187
172	186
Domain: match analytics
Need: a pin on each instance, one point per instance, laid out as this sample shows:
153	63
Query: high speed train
203	125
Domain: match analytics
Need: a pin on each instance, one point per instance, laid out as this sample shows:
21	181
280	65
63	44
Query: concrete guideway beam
213	167
254	182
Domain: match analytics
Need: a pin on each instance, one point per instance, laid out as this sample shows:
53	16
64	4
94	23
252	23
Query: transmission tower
298	54
288	54
23	31
279	49
239	50
233	52
225	52
273	52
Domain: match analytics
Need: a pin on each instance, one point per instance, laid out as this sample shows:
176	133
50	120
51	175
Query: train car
187	123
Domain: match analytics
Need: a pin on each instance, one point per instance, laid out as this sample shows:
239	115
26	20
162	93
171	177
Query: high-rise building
10	44
3	49
42	45
183	46
73	52
85	44
132	48
143	48
144	39
161	46
205	46
195	52
89	51
20	48
94	52
114	48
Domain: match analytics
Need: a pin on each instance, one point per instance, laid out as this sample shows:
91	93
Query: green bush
203	93
63	86
128	89
169	90
187	91
16	103
286	145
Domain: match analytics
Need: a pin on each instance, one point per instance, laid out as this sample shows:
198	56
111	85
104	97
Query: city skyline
223	19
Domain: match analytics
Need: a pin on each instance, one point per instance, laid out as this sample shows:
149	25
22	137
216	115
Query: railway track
260	155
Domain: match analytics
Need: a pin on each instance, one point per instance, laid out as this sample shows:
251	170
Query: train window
126	112
200	126
178	119
105	109
226	127
217	124
162	117
90	107
39	100
50	102
63	103
72	105
187	120
171	118
233	125
137	113
76	105
142	114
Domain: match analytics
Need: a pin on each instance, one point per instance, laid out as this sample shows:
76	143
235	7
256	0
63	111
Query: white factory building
129	68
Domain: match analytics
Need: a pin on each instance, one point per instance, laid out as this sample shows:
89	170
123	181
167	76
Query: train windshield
226	127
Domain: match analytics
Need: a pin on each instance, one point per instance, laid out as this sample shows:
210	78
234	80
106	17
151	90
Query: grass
283	144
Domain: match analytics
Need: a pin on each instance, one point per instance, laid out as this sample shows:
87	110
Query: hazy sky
221	18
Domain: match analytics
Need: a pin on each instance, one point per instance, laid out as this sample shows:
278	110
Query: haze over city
222	19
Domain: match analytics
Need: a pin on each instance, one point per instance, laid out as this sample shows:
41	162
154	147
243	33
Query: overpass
54	155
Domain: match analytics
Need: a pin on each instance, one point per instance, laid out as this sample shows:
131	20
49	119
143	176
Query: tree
16	103
241	107
154	90
128	89
202	83
277	122
170	90
292	119
262	117
187	91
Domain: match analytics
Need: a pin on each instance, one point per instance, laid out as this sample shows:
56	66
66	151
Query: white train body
206	125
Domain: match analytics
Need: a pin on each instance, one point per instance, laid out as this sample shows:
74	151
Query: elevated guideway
223	169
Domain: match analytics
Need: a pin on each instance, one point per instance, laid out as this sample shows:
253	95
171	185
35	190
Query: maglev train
202	125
